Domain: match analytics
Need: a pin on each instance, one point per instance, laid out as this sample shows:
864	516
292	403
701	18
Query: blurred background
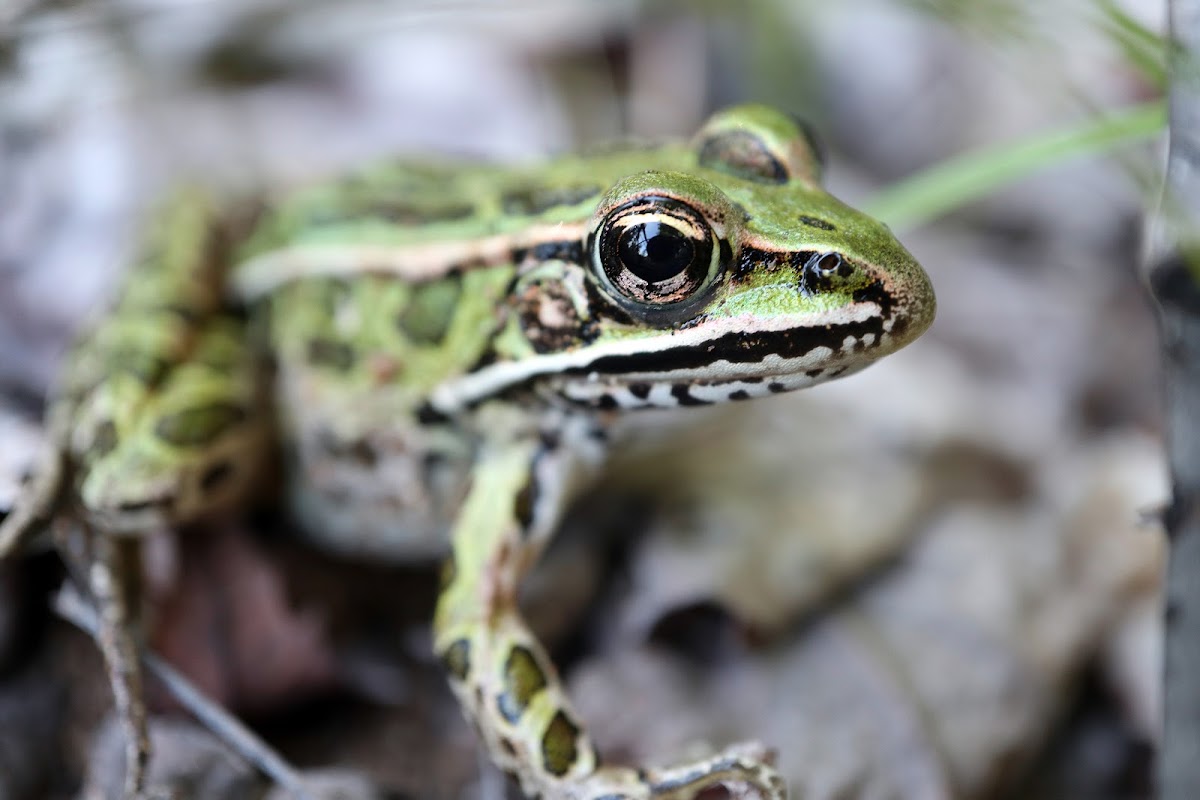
936	579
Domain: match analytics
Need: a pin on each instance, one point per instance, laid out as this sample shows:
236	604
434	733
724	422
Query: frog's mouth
728	359
735	365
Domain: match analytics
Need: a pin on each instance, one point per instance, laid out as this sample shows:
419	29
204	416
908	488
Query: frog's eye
656	251
760	144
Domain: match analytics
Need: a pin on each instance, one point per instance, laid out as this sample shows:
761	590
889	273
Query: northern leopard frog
436	348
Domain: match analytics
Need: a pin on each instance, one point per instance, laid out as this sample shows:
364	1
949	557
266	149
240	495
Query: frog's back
408	203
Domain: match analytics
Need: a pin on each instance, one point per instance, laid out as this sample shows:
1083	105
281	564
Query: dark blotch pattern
428	415
752	260
393	210
525	503
522	680
726	252
146	367
875	293
814	222
531	200
105	440
683	394
216	475
457	659
430	310
330	353
739	394
559	750
640	390
197	426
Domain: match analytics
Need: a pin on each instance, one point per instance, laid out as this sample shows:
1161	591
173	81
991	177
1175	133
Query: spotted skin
159	405
508	686
446	347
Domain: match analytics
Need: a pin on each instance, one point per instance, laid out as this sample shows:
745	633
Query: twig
72	607
1173	268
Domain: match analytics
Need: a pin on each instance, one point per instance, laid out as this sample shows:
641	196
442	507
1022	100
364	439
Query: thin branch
73	608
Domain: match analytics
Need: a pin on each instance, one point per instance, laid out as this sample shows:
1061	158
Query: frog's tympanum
433	353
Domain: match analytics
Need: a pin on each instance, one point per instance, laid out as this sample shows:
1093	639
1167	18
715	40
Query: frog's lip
739	348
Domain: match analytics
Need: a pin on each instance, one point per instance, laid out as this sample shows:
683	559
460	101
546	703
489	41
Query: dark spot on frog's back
104	441
331	353
814	222
197	426
398	212
146	367
427	317
743	155
532	200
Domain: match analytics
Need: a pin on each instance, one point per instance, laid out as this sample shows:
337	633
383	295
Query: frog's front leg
502	675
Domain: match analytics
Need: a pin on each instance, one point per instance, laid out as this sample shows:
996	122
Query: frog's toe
745	770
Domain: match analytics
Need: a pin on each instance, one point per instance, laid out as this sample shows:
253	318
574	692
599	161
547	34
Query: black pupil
655	252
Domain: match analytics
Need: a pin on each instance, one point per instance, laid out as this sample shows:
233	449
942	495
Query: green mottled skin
444	344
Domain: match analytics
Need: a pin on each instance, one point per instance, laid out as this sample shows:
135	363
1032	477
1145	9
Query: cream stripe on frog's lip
412	262
843	327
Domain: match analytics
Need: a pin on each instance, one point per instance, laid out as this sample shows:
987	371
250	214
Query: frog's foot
744	770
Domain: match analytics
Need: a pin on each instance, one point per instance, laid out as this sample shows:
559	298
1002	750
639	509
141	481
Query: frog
428	357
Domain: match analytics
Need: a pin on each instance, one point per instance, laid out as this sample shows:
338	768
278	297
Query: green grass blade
1144	49
953	183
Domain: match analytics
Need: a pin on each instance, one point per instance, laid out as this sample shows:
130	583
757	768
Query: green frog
426	358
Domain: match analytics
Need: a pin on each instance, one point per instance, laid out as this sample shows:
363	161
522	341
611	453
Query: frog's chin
689	391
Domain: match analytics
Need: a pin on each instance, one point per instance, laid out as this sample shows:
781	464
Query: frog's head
727	274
